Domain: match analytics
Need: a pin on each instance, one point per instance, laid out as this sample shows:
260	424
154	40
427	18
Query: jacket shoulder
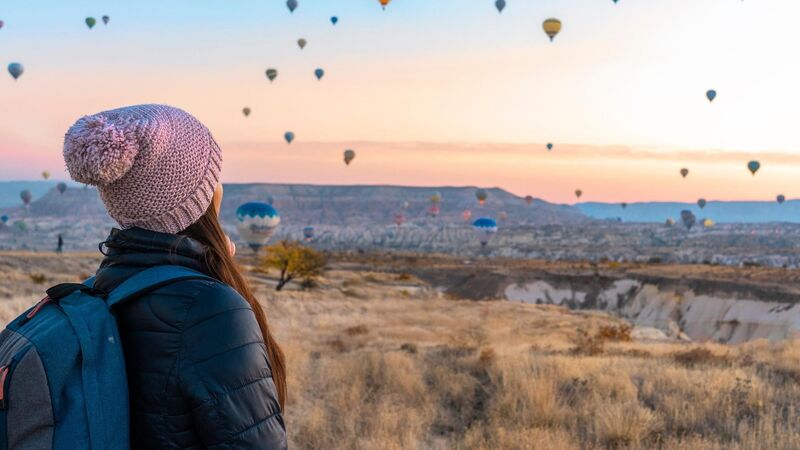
206	299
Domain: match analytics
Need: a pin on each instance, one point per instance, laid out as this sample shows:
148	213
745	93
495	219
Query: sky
431	92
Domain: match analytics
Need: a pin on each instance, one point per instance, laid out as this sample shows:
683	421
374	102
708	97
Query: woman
203	369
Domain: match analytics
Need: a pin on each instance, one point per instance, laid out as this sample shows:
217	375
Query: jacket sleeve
225	375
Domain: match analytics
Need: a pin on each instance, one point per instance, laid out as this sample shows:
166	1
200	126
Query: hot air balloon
433	211
406	204
272	74
466	214
289	136
624	205
484	228
45	174
549	146
707	223
16	70
399	219
670	222
701	203
301	43
481	195
349	156
319	73
551	27
753	166
256	222
384	3
26	197
529	199
308	233
334	20
270	200
61	187
292	5
684	172
578	193
780	198
711	95
90	21
246	111
436	198
4	219
615	1
688	219
500	5
1	24
106	19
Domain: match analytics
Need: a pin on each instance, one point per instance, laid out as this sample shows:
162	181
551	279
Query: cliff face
686	314
715	304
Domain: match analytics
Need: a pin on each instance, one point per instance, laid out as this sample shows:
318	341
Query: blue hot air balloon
256	222
500	5
4	219
753	166
308	233
291	4
16	70
319	73
334	20
289	136
711	95
549	146
484	228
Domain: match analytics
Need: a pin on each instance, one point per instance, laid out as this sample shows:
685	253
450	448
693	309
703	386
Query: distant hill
330	205
719	211
9	190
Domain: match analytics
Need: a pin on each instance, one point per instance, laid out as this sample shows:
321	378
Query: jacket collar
132	250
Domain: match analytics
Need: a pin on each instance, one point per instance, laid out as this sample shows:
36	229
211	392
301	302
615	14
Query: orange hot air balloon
467	214
384	3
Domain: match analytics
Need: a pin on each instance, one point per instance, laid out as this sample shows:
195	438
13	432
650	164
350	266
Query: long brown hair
221	265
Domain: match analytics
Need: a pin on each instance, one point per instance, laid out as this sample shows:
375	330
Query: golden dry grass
423	372
381	361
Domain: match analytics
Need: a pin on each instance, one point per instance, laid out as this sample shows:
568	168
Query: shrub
594	344
699	355
294	260
404	277
487	355
356	330
619	333
409	347
38	278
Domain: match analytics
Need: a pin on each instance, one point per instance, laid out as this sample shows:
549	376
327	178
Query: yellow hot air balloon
45	174
551	27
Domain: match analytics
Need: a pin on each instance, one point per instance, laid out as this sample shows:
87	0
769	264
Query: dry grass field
380	360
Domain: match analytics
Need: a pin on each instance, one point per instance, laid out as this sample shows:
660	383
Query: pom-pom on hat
156	167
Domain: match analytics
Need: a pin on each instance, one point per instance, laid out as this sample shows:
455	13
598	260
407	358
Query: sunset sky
431	92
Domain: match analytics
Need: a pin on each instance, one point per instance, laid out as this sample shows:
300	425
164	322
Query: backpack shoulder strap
151	279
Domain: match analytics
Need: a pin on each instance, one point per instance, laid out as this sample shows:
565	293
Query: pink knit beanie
155	166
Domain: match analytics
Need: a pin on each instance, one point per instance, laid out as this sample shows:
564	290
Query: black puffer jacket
198	371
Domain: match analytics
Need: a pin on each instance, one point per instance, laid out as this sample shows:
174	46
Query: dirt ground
379	359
